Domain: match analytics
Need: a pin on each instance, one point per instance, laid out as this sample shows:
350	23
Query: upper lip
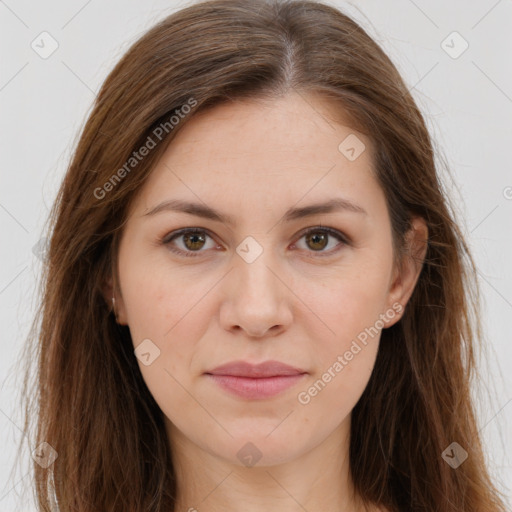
265	369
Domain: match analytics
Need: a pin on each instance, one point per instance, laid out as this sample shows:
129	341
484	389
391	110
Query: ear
406	275
117	308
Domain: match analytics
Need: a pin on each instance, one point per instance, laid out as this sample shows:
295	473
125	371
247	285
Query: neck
317	479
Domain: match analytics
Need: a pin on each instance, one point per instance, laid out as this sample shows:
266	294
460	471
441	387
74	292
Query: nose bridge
257	301
255	259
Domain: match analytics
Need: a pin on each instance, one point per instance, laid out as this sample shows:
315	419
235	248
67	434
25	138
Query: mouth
254	382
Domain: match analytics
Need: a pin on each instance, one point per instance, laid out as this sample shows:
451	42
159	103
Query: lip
259	381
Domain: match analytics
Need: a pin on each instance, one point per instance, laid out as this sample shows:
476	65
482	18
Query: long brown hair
92	405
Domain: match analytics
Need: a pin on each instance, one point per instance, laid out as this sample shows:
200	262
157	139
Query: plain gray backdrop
56	54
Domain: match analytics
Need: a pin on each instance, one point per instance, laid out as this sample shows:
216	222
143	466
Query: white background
467	102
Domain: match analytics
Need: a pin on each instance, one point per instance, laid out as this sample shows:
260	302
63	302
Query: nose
257	298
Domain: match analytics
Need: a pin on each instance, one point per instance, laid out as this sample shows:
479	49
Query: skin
253	160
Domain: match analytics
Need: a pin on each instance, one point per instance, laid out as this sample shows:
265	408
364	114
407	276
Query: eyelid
175	234
331	231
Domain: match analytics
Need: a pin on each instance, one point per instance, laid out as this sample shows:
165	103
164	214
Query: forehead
264	151
296	124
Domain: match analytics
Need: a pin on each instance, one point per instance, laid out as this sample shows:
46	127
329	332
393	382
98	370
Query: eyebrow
201	210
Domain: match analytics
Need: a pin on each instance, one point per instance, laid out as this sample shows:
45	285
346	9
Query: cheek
168	307
175	322
349	343
330	396
345	324
348	300
152	293
344	354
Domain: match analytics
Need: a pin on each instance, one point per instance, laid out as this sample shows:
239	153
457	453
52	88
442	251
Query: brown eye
317	239
194	241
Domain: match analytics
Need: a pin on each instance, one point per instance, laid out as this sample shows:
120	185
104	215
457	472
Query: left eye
194	239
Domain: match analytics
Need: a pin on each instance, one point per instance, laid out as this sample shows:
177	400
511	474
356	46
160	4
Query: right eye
192	239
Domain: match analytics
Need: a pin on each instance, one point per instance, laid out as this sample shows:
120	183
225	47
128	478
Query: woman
256	295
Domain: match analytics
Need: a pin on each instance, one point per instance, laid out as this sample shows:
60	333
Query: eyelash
167	239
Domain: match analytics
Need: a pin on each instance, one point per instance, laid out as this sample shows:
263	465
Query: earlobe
107	290
406	276
114	301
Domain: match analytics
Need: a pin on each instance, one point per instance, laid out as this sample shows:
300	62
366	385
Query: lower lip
256	388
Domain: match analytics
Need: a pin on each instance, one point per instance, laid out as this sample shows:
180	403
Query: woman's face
268	282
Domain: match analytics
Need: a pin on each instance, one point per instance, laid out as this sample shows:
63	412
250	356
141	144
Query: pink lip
256	381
